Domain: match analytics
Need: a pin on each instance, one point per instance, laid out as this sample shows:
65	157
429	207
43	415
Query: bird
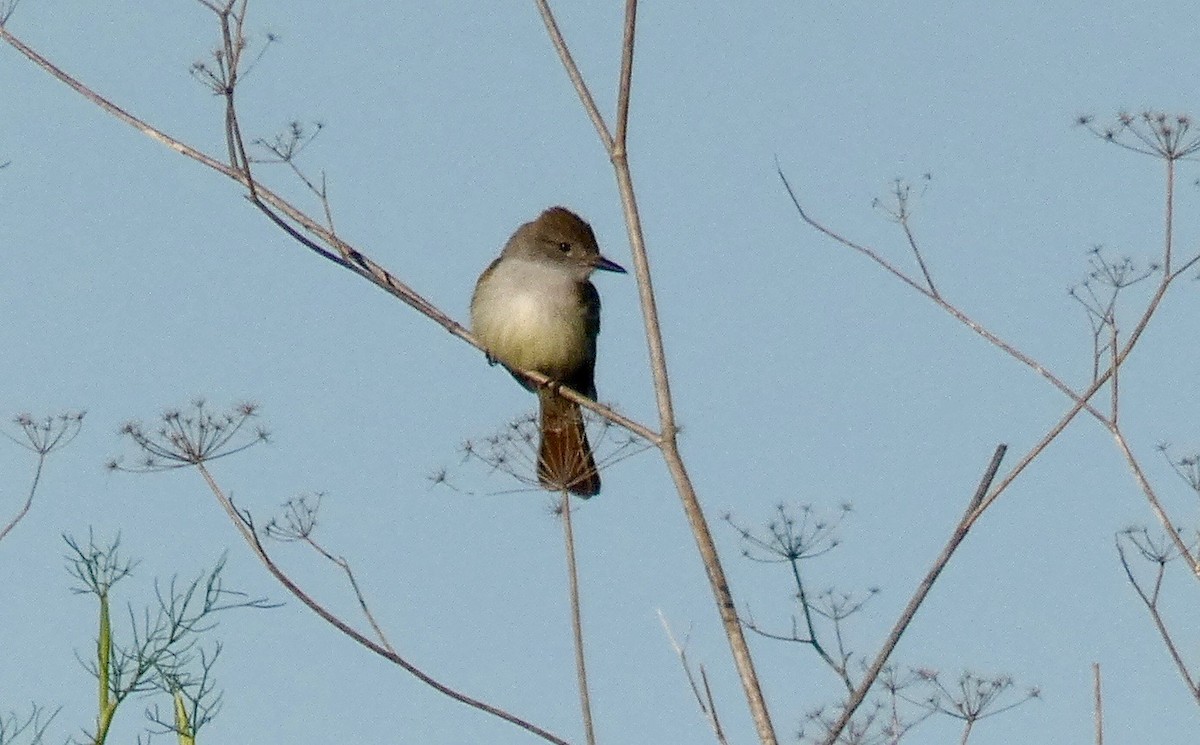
534	308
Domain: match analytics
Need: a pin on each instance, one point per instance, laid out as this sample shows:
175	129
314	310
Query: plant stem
585	701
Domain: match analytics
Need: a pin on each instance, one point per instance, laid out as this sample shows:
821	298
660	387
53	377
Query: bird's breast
532	318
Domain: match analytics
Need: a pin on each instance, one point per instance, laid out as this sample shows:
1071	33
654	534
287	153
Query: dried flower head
513	449
1155	133
192	437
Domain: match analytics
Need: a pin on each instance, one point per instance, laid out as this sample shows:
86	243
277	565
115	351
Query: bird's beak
608	265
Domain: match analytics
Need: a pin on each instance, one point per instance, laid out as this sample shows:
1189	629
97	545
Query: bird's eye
564	247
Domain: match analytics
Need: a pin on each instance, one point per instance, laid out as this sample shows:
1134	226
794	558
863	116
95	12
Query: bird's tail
564	456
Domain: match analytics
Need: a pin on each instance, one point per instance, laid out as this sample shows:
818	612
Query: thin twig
666	442
37	476
1082	401
988	476
342	563
912	243
910	610
838	666
1113	423
246	528
41	437
1114	387
712	708
1170	217
564	53
704	699
585	699
953	310
1098	703
1156	505
1151	602
7	9
625	86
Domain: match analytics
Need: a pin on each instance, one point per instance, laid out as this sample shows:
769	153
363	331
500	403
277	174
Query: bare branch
568	63
1159	555
953	310
298	523
41	437
7	8
667	440
792	540
585	699
1171	147
703	699
1160	512
974	508
901	214
245	527
193	439
626	84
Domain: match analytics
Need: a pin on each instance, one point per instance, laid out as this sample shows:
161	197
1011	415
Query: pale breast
531	316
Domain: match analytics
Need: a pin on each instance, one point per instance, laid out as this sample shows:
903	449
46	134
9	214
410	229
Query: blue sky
135	281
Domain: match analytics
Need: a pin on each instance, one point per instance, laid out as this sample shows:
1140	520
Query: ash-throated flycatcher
534	309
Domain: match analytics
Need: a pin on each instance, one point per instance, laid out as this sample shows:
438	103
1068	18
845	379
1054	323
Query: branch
21	513
1081	400
564	54
41	437
956	538
246	528
585	699
1117	360
933	295
1156	506
344	255
626	85
1151	603
666	442
1112	422
343	564
705	701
